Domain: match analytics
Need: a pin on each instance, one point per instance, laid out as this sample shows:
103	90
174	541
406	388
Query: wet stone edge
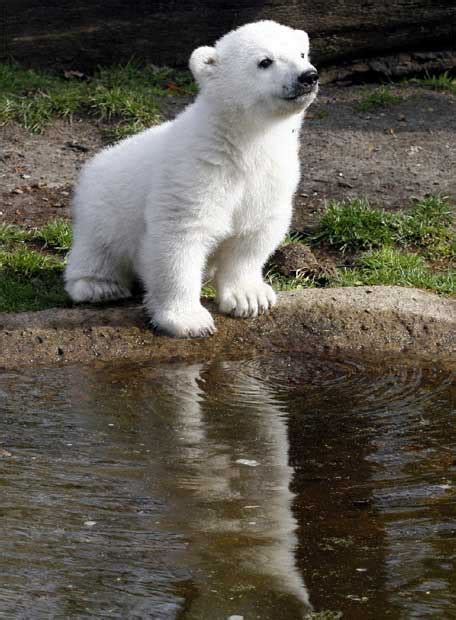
365	322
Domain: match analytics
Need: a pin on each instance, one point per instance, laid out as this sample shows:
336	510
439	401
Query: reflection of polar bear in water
231	479
212	189
216	436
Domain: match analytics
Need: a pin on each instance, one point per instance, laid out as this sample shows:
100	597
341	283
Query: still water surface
262	489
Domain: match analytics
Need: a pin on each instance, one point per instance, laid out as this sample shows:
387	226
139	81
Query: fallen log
85	33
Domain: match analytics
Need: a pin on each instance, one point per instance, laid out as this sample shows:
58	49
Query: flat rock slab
367	322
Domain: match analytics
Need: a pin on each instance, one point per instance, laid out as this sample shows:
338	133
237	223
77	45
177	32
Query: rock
395	66
342	183
409	324
247	462
77	147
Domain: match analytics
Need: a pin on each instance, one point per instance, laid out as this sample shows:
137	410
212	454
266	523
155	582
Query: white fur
211	190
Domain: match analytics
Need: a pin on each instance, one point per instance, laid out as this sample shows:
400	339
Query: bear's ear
202	63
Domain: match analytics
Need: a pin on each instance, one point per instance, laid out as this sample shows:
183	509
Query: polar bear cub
207	193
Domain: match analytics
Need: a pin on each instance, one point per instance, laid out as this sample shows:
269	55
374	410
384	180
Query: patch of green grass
354	226
15	79
123	129
380	98
395	247
160	81
23	295
429	225
30	281
390	266
34	109
56	234
10	235
293	237
444	82
283	283
208	291
26	262
125	94
120	102
326	614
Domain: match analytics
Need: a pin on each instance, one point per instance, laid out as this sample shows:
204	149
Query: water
199	492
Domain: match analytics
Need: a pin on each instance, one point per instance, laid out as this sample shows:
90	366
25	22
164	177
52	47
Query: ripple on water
253	488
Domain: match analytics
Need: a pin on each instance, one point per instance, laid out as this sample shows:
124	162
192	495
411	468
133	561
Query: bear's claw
185	324
247	301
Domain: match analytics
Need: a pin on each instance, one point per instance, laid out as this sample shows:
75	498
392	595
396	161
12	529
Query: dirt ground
390	155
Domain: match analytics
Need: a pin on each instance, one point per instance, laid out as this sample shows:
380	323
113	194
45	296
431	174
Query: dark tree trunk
84	33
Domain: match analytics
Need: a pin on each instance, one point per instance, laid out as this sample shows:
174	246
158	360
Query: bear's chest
265	191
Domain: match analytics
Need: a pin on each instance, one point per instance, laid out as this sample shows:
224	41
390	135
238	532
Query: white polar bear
210	192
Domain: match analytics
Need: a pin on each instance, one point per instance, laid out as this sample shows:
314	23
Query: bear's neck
239	129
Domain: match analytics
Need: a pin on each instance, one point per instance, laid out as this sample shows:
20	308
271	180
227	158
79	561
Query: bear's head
262	66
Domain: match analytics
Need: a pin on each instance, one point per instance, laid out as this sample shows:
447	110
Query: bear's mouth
302	92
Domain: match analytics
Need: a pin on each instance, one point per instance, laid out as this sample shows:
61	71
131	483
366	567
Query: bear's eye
303	55
265	63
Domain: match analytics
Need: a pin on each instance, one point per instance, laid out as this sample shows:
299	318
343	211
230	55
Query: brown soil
390	155
38	171
297	259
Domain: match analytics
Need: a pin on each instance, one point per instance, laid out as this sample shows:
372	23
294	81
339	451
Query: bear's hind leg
93	275
92	290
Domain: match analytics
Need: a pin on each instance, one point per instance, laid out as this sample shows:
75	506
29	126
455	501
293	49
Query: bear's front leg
241	290
171	269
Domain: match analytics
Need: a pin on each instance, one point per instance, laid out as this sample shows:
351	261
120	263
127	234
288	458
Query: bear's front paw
246	300
196	323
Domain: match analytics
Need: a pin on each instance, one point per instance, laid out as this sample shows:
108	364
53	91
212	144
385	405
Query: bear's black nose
309	78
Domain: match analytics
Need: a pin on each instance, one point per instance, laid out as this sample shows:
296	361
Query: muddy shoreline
370	323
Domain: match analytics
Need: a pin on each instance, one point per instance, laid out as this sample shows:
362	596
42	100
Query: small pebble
90	523
248	462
